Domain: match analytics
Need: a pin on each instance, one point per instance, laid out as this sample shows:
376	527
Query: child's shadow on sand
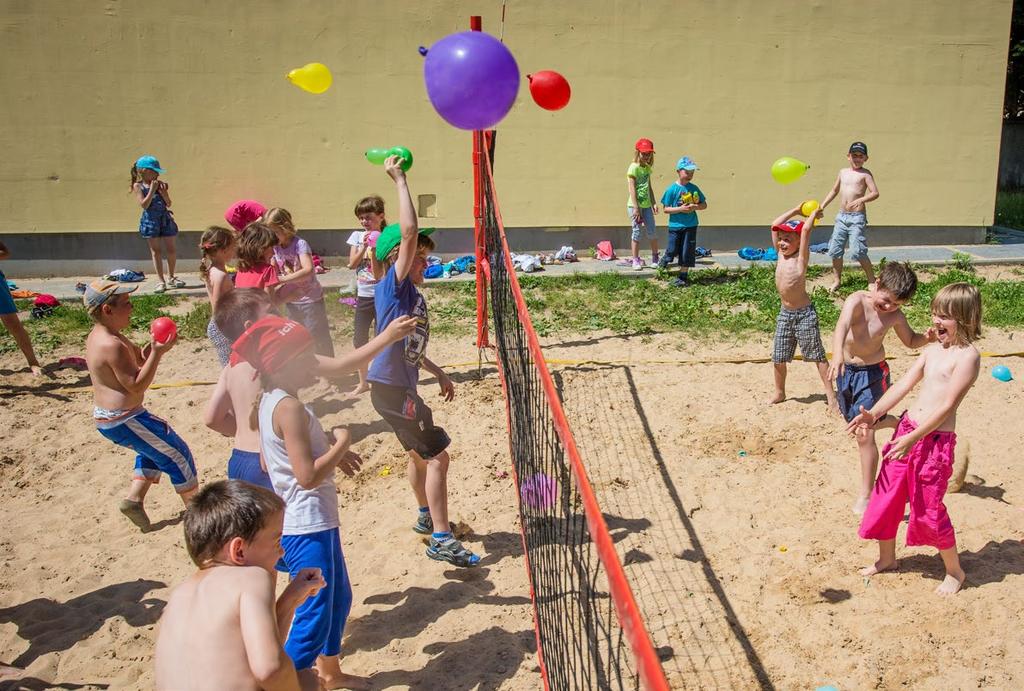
990	564
50	626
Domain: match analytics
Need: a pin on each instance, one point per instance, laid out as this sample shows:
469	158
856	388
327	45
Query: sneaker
654	257
452	552
681	282
638	263
160	288
425	525
176	282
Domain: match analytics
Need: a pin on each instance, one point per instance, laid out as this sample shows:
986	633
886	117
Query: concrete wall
89	86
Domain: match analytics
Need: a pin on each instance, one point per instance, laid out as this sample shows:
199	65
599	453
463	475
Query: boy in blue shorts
394	375
682	200
858	362
121	372
9	316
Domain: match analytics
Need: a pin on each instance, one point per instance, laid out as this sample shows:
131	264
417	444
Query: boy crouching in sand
858	366
918	461
798	320
121	372
222	628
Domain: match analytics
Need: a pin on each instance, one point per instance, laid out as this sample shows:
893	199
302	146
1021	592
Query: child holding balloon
297	285
157	223
682	200
855	186
640	204
217	247
121	372
361	258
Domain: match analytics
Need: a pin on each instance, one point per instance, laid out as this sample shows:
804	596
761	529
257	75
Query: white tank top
306	510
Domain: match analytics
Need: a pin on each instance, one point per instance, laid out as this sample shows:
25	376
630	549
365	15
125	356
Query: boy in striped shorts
121	372
798	320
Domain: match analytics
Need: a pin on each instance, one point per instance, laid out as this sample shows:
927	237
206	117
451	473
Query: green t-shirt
642	175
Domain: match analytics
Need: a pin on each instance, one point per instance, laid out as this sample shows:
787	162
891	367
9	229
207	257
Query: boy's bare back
202	632
852	186
107	354
947	372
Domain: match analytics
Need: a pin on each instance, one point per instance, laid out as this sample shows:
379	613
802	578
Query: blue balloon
1002	373
472	79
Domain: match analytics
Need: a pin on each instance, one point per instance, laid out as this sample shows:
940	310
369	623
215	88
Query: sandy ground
745	565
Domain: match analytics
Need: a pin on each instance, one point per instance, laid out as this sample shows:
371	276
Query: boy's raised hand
393	167
400	328
155	346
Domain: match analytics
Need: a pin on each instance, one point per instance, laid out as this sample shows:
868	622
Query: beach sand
747	566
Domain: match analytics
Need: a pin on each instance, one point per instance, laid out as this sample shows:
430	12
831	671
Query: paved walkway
1010	250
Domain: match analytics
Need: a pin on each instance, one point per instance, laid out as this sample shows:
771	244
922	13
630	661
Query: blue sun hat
149	162
686	163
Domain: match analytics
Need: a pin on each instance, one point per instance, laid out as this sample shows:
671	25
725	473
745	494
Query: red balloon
163	329
549	89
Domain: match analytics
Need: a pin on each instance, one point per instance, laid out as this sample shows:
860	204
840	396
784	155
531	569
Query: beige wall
88	86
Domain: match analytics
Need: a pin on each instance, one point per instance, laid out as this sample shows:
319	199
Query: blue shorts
849	226
245	466
159	449
7	305
320	621
157	226
861	385
646	221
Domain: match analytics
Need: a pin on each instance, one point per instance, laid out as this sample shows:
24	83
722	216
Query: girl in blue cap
157	222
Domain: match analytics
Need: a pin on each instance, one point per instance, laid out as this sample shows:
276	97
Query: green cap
391	237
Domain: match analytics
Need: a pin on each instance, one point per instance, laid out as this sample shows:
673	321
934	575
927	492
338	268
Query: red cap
644	145
270	343
243	212
790	226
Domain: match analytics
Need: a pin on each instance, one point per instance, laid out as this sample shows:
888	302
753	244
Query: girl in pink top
255	252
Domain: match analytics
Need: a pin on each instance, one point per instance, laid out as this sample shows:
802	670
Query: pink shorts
920	477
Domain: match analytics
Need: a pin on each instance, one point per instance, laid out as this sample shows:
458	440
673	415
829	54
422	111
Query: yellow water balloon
809	207
788	169
314	78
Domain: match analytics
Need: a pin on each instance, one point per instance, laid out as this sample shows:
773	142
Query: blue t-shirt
677	195
399	363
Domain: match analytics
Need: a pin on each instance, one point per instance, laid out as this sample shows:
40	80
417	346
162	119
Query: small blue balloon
826	688
1002	373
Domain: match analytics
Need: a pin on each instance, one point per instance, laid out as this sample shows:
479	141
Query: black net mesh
582	643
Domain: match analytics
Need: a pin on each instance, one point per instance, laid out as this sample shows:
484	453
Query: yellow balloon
787	170
314	78
809	207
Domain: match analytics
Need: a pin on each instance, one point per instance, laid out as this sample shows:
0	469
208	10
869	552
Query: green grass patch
1010	208
719	302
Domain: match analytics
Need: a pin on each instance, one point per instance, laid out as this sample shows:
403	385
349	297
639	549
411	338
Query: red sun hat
790	226
270	344
644	145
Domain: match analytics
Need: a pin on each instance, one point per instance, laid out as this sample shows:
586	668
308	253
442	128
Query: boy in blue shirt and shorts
682	200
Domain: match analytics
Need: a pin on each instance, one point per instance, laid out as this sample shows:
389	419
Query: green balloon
377	156
404	153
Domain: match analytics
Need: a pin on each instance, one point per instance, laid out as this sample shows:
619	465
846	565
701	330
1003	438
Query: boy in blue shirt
682	200
394	374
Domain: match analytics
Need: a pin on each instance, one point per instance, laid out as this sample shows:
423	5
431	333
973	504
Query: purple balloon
539	492
472	79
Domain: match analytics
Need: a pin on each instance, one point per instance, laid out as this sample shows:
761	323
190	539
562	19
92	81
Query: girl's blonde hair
637	155
214	239
962	303
279	218
254	241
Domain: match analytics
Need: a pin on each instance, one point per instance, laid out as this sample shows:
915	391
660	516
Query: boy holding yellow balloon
855	187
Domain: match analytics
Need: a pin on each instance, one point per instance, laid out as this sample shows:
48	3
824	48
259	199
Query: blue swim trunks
861	385
159	449
245	466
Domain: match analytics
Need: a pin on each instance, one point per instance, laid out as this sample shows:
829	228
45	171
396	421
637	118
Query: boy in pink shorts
918	461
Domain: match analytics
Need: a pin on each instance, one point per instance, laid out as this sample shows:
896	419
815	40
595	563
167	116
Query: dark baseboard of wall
85	254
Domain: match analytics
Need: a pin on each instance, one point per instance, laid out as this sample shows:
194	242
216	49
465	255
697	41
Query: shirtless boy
918	461
221	628
862	374
798	320
228	410
121	372
855	187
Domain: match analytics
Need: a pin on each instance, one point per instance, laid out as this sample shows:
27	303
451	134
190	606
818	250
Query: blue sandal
452	552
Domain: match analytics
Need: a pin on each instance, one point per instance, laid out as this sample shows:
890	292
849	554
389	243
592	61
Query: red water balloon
163	329
549	89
